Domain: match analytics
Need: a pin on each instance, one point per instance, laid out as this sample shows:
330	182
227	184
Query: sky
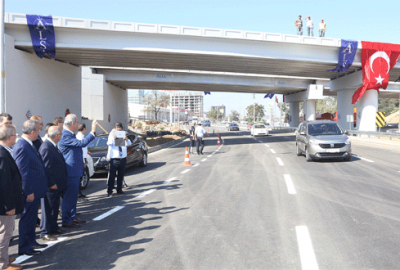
368	20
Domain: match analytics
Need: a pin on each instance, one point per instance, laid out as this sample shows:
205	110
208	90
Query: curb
166	145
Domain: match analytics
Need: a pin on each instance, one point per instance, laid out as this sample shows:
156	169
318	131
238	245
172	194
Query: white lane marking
169	180
204	159
213	153
279	161
23	258
289	184
266	145
106	214
272	151
195	165
185	171
306	250
147	192
368	160
209	156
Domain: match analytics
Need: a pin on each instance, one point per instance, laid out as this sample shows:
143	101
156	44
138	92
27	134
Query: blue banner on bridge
207	93
268	95
42	34
347	53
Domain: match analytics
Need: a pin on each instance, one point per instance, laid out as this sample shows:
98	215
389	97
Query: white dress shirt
116	151
80	136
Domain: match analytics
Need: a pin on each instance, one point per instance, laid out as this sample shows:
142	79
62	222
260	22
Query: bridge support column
294	114
309	109
367	108
345	110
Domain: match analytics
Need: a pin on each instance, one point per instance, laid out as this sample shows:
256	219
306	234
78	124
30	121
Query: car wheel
143	163
298	151
308	157
85	179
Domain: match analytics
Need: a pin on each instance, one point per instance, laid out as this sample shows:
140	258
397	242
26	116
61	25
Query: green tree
234	115
154	101
259	109
328	104
214	115
388	105
285	109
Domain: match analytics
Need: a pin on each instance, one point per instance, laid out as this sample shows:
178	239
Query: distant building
135	96
220	109
191	102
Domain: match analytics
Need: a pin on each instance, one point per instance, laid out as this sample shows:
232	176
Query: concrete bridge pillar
309	109
345	110
294	114
367	107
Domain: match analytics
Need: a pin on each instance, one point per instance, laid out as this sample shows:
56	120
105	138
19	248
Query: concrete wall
42	86
101	99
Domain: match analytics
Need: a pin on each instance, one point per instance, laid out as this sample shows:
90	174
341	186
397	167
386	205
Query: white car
227	124
259	130
89	171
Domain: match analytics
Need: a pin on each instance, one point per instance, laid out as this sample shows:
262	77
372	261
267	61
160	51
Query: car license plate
332	150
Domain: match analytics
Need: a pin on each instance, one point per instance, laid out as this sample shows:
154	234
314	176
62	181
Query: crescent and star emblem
376	55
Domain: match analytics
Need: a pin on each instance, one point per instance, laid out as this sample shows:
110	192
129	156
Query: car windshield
233	125
259	126
98	142
324	129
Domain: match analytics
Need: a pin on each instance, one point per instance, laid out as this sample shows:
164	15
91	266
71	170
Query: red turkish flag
377	60
276	99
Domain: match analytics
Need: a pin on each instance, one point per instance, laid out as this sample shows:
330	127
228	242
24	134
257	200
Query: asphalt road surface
250	203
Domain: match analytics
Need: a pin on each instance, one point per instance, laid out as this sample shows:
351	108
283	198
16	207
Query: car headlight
348	141
313	142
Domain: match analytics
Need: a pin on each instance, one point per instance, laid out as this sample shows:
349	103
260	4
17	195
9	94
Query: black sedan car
137	152
233	126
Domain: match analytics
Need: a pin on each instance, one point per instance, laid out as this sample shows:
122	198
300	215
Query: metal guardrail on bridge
373	134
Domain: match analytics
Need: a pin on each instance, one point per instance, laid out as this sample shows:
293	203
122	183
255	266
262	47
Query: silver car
322	140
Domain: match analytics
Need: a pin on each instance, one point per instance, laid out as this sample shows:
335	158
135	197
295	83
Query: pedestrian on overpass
192	137
199	131
310	26
299	26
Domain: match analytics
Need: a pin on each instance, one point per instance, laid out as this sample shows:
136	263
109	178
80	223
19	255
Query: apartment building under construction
191	101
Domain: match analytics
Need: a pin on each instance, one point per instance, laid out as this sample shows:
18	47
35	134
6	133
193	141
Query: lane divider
368	160
289	184
272	151
170	180
147	192
204	159
266	145
106	214
185	171
279	161
195	165
306	250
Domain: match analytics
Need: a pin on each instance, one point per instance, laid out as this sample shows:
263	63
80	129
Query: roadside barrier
187	159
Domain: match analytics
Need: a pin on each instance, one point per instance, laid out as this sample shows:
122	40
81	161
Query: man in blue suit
71	148
34	185
56	171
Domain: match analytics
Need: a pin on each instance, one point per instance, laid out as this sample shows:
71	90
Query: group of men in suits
34	172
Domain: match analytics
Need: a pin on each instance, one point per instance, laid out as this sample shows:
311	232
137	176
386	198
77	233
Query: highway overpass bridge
150	56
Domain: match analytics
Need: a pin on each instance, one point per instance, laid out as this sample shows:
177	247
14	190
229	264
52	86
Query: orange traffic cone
187	159
218	142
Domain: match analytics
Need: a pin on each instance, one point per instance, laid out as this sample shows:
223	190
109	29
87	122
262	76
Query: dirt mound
393	118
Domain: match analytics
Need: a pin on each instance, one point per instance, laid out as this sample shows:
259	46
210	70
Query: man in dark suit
11	201
34	185
56	172
71	148
38	142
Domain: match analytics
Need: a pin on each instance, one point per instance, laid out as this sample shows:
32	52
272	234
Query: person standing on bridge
299	25
199	131
310	26
322	28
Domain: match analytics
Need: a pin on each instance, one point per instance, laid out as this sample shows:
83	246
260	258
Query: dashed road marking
195	165
147	192
279	161
306	250
23	258
204	159
106	214
266	145
185	171
170	180
272	151
289	184
368	160
209	156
